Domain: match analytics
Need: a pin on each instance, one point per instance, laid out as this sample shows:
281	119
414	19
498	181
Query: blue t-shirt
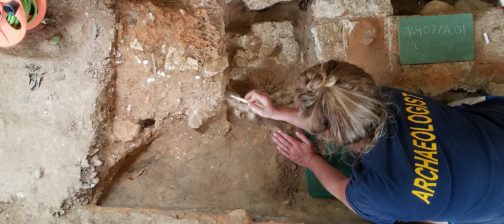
436	163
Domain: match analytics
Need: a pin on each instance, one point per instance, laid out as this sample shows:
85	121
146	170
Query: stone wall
368	38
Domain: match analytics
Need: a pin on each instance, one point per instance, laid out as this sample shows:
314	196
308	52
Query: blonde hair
341	102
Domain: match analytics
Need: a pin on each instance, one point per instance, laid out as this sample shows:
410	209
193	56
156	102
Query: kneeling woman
418	159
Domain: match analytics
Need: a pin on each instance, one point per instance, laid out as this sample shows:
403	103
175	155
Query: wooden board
434	39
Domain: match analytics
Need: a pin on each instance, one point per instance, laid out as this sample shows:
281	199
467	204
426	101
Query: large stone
268	42
261	4
367	49
329	41
489	22
436	8
333	9
435	79
472	5
496	89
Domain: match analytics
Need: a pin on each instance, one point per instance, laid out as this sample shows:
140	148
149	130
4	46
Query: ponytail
341	102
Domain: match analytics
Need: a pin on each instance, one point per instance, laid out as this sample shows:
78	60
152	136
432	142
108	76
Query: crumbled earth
127	119
46	133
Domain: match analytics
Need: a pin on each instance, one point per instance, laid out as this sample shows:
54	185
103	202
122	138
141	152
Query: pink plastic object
42	8
8	35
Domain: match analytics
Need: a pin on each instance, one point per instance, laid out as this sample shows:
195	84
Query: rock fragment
38	173
261	4
177	61
136	45
95	161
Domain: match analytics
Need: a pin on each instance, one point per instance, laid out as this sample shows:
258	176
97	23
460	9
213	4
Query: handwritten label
449	30
433	39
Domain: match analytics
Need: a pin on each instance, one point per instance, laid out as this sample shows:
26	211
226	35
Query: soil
132	116
47	132
230	161
187	169
152	158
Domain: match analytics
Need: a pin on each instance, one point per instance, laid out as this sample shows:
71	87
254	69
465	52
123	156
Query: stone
84	163
176	60
192	63
215	67
95	31
268	42
496	89
196	119
436	8
239	216
472	5
335	9
92	174
56	39
136	45
261	4
489	22
38	173
328	41
124	130
151	16
95	161
87	186
435	79
367	48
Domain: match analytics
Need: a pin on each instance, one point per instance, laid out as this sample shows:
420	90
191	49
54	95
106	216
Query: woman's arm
261	104
299	151
303	154
289	115
331	178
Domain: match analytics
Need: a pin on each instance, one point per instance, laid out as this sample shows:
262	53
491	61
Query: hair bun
315	81
341	102
320	80
330	81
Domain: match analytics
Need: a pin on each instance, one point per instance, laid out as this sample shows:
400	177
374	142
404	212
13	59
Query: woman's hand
260	103
301	152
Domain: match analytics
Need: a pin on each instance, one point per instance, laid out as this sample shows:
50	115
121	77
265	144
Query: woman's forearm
332	179
289	115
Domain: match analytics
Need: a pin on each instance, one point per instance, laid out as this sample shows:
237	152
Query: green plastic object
341	160
433	39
